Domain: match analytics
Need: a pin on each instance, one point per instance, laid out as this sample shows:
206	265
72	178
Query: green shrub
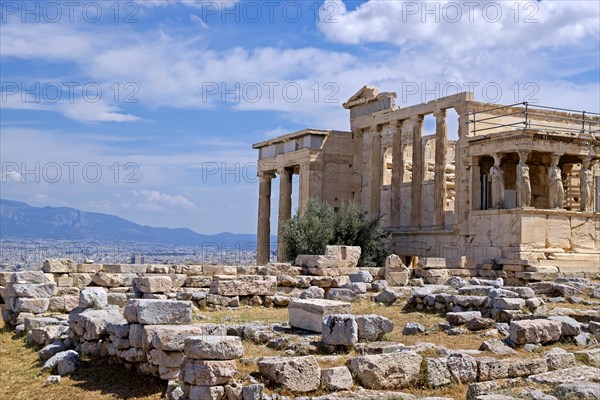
319	225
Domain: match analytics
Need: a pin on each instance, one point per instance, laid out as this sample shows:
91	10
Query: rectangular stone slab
308	314
249	285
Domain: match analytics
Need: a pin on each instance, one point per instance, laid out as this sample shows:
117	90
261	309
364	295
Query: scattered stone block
390	295
32	290
594	328
106	279
64	363
373	327
253	391
570	327
153	284
534	331
490	369
28	277
361	277
336	378
158	312
524	367
496	346
308	314
395	272
386	371
578	390
589	356
437	373
479	324
413	328
207	373
244	286
341	294
463	367
461	318
52	349
169	337
339	329
297	374
31	305
313	292
501	303
558	358
213	347
55	266
580	373
93	297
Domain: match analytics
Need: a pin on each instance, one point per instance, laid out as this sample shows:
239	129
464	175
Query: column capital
376	129
440	113
417	117
397	124
523	154
283	170
266	174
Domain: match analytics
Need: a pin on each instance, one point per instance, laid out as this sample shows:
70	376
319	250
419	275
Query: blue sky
124	110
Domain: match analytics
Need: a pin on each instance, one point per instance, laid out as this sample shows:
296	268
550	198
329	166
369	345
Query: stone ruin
496	191
144	316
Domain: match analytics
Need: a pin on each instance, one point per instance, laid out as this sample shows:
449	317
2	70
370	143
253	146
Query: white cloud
189	3
185	73
153	200
198	20
460	28
276	132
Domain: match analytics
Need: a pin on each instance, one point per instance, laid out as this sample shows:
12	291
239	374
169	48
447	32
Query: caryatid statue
497	183
586	177
523	181
556	191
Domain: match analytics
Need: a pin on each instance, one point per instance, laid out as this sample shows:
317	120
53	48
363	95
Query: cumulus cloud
153	200
307	85
456	28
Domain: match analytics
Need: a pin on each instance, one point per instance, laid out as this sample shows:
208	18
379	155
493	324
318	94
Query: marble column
523	181
263	236
285	208
377	172
397	174
463	201
417	170
440	168
304	186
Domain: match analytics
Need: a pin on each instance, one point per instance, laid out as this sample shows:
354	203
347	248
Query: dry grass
244	315
22	379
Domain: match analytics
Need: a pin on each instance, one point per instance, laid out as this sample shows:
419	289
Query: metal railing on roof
525	118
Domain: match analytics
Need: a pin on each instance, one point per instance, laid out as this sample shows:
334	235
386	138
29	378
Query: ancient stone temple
516	186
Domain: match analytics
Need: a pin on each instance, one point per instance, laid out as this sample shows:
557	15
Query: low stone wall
56	288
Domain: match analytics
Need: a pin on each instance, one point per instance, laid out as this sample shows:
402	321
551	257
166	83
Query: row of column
308	187
556	192
418	165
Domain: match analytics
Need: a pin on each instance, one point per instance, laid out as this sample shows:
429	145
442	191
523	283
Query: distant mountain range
21	221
